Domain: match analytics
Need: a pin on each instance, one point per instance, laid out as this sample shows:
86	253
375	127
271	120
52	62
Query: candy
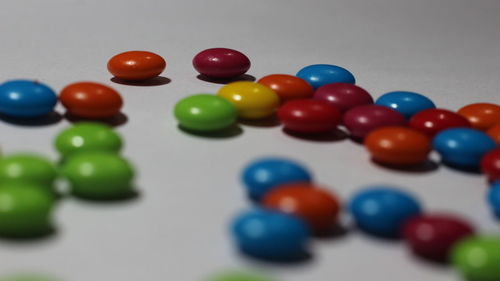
434	120
382	211
363	119
407	103
321	74
91	100
26	99
99	175
494	133
482	116
432	236
490	164
494	198
316	206
136	65
270	235
87	136
27	168
477	258
462	147
238	276
309	116
221	63
25	210
343	95
398	146
205	112
28	277
262	175
252	100
287	87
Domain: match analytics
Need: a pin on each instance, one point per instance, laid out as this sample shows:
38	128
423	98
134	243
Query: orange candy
494	133
136	65
482	116
398	146
287	87
318	207
91	100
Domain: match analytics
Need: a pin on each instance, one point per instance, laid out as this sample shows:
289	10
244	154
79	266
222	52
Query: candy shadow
434	262
43	237
465	169
264	123
300	258
338	231
333	136
425	167
132	195
156	81
230	132
51	118
244	77
115	121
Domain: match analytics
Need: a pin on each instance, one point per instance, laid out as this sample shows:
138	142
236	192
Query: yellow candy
252	100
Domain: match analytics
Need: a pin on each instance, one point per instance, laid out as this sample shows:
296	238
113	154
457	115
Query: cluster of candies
90	164
90	160
290	209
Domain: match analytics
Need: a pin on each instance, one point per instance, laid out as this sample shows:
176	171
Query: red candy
91	100
343	95
317	206
309	116
433	236
288	87
221	63
432	121
490	165
361	120
136	65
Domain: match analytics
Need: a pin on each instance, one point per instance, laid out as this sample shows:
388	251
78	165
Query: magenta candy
221	63
361	120
343	95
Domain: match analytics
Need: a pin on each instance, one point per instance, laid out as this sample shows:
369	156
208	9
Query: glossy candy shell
252	100
136	65
27	168
434	120
321	74
478	258
220	63
361	120
482	116
407	103
344	96
309	116
288	87
26	99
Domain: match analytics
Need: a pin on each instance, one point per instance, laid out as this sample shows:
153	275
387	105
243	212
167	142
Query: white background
190	189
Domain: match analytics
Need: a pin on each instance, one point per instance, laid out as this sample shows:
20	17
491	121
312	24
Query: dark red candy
432	236
221	63
343	95
363	119
309	116
434	120
490	165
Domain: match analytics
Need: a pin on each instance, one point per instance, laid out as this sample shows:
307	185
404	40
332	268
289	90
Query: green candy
238	276
27	277
205	113
99	175
87	136
28	168
478	258
25	210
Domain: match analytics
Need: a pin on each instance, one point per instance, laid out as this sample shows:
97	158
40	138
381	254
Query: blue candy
262	175
462	147
271	235
321	74
25	98
494	198
407	103
382	210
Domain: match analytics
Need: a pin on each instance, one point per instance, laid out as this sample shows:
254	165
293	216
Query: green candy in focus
99	175
27	168
478	258
25	210
88	136
205	113
238	276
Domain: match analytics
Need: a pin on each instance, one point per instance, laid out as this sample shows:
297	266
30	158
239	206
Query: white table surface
190	189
